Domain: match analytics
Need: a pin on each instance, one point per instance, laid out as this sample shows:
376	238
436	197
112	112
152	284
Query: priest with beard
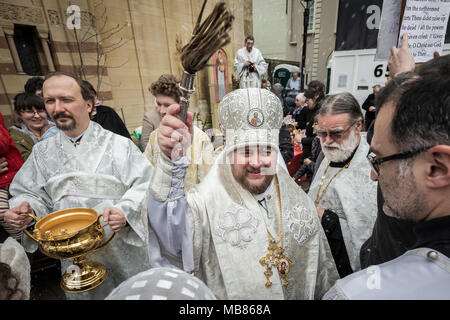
247	230
344	194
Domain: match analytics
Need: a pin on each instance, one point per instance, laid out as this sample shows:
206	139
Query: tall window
28	45
311	15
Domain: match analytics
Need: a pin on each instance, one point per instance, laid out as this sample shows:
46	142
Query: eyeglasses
32	113
375	163
334	135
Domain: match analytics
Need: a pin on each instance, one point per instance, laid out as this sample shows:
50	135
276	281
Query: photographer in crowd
249	64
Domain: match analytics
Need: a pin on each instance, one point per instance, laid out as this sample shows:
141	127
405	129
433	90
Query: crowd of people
195	220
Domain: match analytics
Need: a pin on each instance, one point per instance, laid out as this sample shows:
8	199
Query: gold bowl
73	233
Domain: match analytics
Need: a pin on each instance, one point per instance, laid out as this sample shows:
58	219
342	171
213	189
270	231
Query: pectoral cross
275	257
269	261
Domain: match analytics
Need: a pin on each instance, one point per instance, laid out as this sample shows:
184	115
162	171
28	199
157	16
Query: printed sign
425	21
368	24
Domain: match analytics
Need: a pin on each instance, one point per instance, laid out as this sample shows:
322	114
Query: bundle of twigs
207	38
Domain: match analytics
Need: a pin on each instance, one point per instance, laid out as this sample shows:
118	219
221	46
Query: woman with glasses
32	125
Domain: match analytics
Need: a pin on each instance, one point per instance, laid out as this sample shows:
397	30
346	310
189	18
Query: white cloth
219	231
105	169
352	195
254	78
13	254
412	276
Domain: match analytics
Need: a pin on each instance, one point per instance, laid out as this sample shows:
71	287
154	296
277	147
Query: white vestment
253	78
104	170
412	276
352	195
219	231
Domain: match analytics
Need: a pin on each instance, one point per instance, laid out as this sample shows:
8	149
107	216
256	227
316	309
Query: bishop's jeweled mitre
250	117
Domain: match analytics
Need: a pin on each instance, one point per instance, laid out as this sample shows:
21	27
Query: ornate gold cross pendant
284	265
269	261
275	257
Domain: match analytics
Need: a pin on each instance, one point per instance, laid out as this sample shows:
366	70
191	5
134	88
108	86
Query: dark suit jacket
370	115
286	146
110	120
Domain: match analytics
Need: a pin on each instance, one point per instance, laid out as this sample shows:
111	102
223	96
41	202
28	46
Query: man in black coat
392	237
314	101
369	106
110	120
106	116
285	144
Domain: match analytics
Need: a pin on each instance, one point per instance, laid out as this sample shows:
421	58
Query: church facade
120	46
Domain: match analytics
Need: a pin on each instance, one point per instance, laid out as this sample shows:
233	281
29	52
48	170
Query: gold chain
316	202
280	238
275	256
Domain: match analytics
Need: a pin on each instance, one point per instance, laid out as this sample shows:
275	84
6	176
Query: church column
48	56
15	55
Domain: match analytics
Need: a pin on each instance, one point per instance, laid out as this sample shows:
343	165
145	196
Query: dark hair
319	89
85	91
310	94
249	37
26	101
393	90
342	103
390	92
6	276
167	85
422	106
90	86
33	84
435	66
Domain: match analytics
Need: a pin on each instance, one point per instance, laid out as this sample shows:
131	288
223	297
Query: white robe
412	276
254	78
352	195
219	231
105	169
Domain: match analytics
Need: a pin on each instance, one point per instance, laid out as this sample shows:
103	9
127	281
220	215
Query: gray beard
344	151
